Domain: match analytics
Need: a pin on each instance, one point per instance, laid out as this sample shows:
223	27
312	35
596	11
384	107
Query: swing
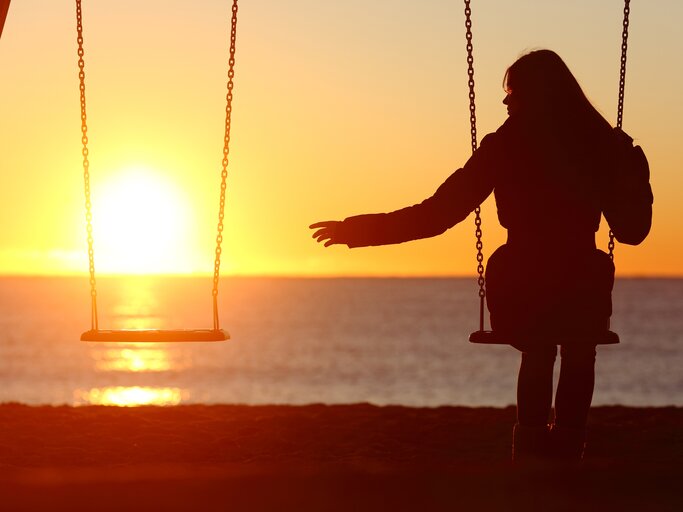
155	335
4	7
603	337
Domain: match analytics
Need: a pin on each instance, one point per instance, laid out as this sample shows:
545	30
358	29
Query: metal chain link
86	166
620	103
224	172
473	134
622	70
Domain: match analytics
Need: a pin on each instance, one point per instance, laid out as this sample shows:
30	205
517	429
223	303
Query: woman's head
541	83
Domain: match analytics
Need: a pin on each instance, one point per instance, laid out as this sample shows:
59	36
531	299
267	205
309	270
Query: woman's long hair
547	90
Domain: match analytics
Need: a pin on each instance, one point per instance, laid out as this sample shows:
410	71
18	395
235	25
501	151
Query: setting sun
141	224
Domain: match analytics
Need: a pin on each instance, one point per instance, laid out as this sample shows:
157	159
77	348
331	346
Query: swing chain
473	133
470	74
622	86
86	165
622	70
225	161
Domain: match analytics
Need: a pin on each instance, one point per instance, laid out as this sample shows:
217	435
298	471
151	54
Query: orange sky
333	101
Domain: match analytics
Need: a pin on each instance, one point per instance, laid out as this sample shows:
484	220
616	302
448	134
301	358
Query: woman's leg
572	402
575	388
535	386
534	399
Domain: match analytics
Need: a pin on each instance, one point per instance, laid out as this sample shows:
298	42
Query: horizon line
292	276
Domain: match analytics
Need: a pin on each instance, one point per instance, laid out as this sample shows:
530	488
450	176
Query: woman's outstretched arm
452	202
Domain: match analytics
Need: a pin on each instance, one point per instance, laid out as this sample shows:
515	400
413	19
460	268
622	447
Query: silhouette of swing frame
557	337
4	9
154	335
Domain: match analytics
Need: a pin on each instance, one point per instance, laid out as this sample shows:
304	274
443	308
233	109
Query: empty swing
601	337
154	335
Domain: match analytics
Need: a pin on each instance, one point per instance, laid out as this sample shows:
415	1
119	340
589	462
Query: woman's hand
327	231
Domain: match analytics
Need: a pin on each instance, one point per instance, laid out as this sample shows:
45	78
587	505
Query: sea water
298	341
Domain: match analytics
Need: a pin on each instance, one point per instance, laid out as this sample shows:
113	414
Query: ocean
300	341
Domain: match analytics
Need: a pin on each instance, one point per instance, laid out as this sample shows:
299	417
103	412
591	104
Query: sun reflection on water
130	396
137	358
136	305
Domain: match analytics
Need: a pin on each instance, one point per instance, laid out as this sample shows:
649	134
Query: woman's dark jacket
551	187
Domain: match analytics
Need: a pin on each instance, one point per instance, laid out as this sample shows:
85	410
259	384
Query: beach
325	457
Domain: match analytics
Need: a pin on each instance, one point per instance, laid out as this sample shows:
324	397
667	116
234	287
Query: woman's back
547	184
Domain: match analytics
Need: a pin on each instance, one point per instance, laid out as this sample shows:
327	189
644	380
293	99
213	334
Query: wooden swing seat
560	338
155	335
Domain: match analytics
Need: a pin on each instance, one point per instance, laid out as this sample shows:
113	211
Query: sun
141	224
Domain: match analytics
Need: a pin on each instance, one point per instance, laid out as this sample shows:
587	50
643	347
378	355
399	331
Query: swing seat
593	338
155	335
152	335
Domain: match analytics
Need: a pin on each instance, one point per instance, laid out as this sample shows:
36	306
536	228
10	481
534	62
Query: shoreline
323	457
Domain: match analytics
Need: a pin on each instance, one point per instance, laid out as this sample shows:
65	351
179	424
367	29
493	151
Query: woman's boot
567	444
530	446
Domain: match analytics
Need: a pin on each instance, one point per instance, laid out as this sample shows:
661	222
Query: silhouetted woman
554	167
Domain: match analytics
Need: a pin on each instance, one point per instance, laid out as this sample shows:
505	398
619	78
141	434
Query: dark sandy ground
325	458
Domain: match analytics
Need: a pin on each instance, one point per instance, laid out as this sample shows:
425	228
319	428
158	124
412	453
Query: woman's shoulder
505	137
514	128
